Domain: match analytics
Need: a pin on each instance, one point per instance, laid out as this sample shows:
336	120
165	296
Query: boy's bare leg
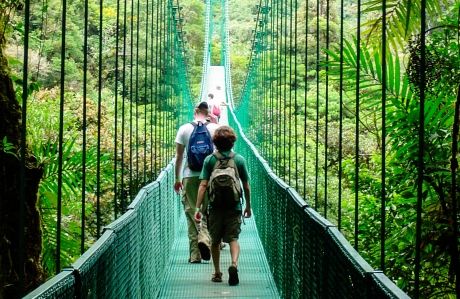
215	252
234	252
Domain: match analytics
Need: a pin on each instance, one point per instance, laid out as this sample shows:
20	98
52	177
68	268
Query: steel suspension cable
131	100
421	151
317	107
279	22
160	78
165	70
296	173
271	74
454	169
83	162
123	106
340	158
273	78
170	79
99	115
285	45
152	95
290	93
116	92
326	125
305	104
136	99
61	136
357	89
157	81
22	150
384	97
146	99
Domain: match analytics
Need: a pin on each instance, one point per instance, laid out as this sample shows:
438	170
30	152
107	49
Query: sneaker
194	261
204	251
233	276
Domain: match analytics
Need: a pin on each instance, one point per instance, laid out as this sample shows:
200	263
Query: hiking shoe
194	261
204	251
233	276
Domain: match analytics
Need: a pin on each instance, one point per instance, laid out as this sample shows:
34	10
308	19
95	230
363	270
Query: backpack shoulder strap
218	155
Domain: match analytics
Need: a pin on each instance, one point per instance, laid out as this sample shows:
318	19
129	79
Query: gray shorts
224	225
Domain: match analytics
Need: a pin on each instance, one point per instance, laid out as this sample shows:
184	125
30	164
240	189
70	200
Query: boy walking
221	175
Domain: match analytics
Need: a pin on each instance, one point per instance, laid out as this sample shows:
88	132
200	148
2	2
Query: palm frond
371	77
402	19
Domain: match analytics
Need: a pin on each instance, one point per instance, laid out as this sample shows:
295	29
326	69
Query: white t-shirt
182	137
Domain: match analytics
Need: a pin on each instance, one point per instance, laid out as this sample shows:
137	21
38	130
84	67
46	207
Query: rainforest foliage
298	117
316	115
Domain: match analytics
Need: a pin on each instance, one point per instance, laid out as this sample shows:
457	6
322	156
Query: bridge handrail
114	267
308	255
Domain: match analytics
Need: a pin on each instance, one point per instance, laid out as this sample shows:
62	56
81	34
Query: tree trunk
10	124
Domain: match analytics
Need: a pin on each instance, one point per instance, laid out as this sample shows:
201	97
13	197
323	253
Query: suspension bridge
290	248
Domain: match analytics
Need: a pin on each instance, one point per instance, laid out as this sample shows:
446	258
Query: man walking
193	141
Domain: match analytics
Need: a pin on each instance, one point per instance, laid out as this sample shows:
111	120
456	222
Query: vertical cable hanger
115	141
305	105
421	153
23	147
157	82
170	78
280	69
383	177
160	80
123	106
317	107
290	114
272	77
61	136
131	100
296	154
83	160
136	100
358	65
454	169
326	125
285	45
145	103
152	87
99	115
339	208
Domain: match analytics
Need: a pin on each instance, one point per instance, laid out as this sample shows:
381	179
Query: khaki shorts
224	225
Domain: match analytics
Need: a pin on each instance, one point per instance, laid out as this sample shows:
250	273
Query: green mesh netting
308	256
130	259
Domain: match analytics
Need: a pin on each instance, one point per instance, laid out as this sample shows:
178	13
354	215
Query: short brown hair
224	138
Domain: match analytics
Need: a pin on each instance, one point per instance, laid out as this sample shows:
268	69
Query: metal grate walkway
184	280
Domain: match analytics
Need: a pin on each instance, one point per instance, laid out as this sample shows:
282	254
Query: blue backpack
199	146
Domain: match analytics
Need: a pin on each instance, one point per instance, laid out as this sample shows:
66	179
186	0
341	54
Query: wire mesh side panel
60	286
157	208
96	268
144	204
126	256
308	256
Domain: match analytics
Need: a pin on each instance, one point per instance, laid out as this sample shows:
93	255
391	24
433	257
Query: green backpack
224	188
